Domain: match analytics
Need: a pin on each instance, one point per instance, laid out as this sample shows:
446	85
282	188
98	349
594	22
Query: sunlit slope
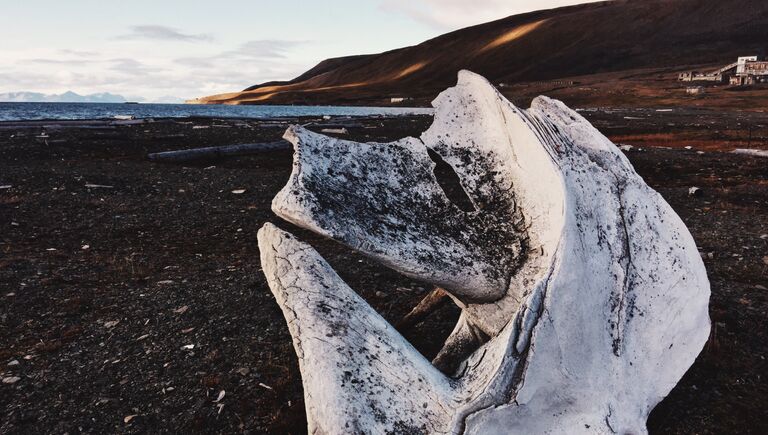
544	45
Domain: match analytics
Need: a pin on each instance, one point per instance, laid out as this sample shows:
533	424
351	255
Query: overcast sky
149	50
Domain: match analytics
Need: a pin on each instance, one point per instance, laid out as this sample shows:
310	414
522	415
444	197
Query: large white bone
586	285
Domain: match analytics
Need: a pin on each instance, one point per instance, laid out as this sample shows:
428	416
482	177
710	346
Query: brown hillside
581	40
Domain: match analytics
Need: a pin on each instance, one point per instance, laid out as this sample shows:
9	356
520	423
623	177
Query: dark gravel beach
132	301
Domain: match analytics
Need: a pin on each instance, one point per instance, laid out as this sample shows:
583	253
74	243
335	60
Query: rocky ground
131	297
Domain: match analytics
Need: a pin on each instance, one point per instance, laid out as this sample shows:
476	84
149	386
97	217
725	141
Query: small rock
181	310
13	363
166	282
11	379
626	148
238	191
243	371
85	247
11	294
221	395
381	295
128	418
694	191
111	323
188	347
689	147
187	330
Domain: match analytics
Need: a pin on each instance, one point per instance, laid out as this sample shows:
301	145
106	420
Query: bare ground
139	305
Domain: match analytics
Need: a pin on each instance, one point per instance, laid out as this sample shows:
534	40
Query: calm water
32	111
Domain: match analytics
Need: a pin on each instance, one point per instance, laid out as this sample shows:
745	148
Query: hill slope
595	38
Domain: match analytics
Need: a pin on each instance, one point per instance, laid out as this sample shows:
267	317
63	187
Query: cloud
265	48
455	14
78	53
152	73
45	61
131	66
261	51
164	33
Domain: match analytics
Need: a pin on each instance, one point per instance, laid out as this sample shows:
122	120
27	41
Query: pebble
694	191
221	395
181	310
11	379
380	294
13	363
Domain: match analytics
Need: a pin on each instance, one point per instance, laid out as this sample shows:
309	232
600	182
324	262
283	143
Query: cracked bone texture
588	286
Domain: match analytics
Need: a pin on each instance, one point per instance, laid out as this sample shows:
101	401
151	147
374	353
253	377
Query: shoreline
694	127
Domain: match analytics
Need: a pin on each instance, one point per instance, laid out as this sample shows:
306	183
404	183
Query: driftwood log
584	299
216	152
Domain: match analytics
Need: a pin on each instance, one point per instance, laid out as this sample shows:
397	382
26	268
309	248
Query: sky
160	50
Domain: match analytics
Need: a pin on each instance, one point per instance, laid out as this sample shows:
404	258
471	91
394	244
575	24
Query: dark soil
166	310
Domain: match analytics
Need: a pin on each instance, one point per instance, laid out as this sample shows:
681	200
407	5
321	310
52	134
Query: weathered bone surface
584	297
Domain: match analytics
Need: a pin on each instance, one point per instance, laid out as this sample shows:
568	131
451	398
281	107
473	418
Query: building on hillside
747	70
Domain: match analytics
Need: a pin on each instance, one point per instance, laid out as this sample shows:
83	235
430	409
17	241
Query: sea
60	111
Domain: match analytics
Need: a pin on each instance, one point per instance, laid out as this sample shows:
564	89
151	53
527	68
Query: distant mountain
66	97
597	38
